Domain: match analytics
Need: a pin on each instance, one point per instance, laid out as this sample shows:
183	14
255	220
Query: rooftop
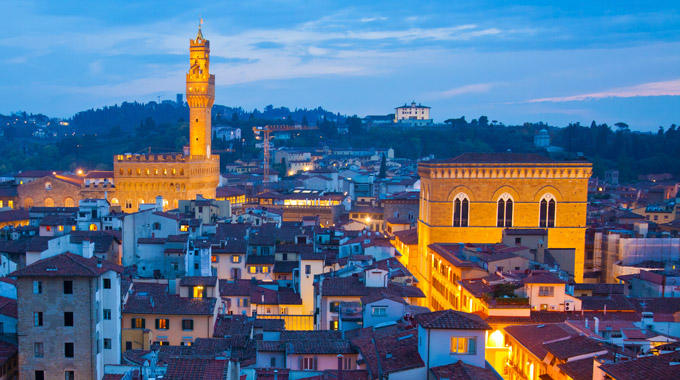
451	319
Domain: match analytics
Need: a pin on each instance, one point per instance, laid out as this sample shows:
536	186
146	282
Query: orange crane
266	131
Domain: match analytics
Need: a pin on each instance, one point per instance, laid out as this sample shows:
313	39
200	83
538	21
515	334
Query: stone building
472	198
69	317
140	178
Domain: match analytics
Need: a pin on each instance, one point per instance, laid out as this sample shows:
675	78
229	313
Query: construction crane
266	132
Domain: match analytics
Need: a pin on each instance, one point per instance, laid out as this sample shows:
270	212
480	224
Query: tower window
547	211
504	211
461	210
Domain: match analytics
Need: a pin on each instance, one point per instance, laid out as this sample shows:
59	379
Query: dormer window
199	292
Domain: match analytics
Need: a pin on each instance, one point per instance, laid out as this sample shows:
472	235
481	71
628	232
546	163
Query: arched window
114	201
504	211
461	210
128	203
68	202
48	186
49	202
28	203
547	211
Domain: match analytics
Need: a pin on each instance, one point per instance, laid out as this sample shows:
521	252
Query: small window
37	287
39	375
334	325
199	292
235	259
214	259
68	287
463	345
187	324
38	349
128	345
68	318
107	343
138	323
265	269
107	314
308	269
518	240
38	318
379	311
69	375
162	324
252	269
68	350
334	307
107	283
546	291
272	363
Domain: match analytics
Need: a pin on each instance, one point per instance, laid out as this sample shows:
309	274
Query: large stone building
140	178
474	197
69	317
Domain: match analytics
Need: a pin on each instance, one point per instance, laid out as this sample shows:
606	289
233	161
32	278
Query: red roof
648	367
532	337
151	298
195	369
389	353
8	307
543	278
451	319
462	371
67	265
7	351
576	346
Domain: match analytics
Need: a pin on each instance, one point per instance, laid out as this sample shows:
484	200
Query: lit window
252	269
162	324
265	269
198	292
467	346
138	323
235	259
214	258
334	307
334	325
61	228
546	291
93	227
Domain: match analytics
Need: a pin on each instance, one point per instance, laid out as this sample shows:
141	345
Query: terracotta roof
271	346
270	324
7	351
290	335
150	298
389	353
13	215
195	369
67	265
496	158
648	367
319	346
102	240
229	191
614	302
198	281
354	287
532	337
408	237
576	346
451	319
285	266
543	278
232	325
8	307
379	296
236	288
260	259
462	371
578	369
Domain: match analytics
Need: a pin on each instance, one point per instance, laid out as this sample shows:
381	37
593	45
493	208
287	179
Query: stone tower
200	96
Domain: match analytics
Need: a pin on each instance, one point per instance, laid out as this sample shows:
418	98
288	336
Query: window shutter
300	363
156	323
143	323
315	361
167	324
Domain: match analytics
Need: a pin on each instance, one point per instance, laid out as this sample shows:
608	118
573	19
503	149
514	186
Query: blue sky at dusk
550	61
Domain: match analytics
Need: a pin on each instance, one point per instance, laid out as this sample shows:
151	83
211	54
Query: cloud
478	88
666	88
371	19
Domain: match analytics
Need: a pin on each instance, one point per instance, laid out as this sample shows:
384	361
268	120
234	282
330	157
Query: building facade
474	197
140	178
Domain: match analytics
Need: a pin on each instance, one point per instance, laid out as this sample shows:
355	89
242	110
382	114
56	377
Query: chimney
586	323
340	357
276	374
159	203
99	262
597	325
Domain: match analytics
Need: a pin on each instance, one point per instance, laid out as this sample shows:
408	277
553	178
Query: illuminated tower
200	96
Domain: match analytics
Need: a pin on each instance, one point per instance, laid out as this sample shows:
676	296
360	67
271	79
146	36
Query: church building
479	198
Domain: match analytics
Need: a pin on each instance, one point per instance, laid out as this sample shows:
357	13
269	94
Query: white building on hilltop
415	115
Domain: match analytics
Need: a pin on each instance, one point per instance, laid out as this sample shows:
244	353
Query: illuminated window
214	258
265	269
235	259
48	186
73	228
138	323
198	292
546	291
252	269
10	204
184	228
114	201
504	211
61	228
461	210
28	202
162	324
68	202
48	228
547	211
93	227
334	325
466	346
49	202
